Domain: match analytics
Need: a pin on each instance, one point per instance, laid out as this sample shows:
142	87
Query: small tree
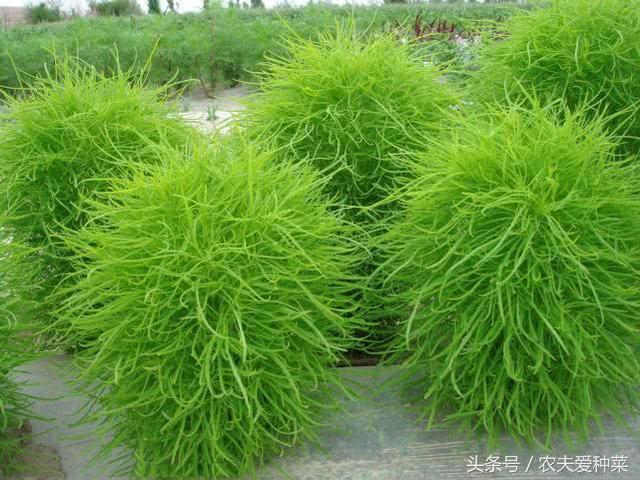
47	11
116	8
153	6
257	4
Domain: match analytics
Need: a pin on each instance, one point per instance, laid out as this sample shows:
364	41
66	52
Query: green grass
577	50
349	106
219	47
516	268
63	141
218	295
14	406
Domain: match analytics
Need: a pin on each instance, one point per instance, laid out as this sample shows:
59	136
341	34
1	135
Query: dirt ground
61	446
39	462
34	461
213	114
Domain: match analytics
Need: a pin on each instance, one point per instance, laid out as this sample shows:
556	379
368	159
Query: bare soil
36	461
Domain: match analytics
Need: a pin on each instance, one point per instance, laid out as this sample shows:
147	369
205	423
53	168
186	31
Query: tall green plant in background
577	50
217	294
517	266
349	106
44	12
62	142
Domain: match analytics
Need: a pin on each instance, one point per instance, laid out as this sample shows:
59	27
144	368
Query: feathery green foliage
217	292
14	406
347	105
517	265
577	50
71	133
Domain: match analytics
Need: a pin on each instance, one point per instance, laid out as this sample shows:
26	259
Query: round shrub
577	50
62	142
517	268
14	405
217	296
349	106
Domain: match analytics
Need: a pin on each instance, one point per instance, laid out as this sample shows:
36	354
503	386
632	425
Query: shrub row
211	285
221	282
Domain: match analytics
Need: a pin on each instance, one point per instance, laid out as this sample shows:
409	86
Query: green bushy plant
577	50
217	293
516	268
348	106
14	405
116	8
61	142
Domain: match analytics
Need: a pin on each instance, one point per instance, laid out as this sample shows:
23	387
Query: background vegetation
116	8
219	47
44	12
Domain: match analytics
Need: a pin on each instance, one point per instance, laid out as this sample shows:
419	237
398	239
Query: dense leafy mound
14	406
518	267
578	50
70	134
217	295
348	105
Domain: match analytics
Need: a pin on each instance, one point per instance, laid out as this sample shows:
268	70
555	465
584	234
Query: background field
219	47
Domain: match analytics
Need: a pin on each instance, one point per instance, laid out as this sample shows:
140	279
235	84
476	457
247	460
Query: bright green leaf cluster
577	50
517	266
349	107
217	295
